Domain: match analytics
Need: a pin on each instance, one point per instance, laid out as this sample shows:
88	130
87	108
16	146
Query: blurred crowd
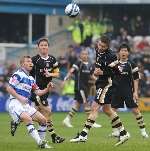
135	32
86	29
5	72
141	57
84	34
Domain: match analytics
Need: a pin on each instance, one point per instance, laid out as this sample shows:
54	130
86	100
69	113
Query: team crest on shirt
120	68
47	65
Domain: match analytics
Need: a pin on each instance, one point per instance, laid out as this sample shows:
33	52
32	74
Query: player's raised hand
46	72
66	78
50	85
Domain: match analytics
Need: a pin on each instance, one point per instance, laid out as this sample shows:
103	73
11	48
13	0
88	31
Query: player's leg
96	104
117	101
71	114
140	121
14	124
106	110
106	96
82	137
25	117
117	126
17	111
38	117
130	103
13	127
45	109
30	127
87	107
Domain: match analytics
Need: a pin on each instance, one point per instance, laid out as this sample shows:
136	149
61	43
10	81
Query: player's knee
136	111
26	118
47	109
94	110
43	120
93	115
107	111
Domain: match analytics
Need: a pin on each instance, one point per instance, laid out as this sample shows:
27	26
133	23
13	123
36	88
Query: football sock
42	131
72	113
140	121
89	123
117	124
33	132
87	110
51	129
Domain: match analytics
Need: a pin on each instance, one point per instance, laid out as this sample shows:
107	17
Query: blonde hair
23	58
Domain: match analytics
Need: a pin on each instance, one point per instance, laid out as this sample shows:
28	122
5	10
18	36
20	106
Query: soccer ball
72	10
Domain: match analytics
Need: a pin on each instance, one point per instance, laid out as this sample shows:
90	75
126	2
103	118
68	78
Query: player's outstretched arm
69	74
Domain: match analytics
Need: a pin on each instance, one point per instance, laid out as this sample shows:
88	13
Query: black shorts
103	94
80	95
119	99
42	99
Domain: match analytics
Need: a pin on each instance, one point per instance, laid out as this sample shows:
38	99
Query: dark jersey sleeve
55	63
34	60
77	65
98	62
92	68
109	69
135	71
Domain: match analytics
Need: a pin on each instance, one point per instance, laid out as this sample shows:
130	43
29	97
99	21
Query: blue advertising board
57	103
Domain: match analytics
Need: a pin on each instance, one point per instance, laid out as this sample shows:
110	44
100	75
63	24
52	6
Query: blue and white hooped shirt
22	83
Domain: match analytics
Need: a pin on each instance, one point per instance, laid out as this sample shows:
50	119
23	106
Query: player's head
123	51
102	44
43	46
84	55
26	63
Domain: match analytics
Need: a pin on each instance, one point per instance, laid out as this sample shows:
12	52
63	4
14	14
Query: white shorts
15	109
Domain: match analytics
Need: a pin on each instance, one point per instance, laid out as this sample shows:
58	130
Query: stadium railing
58	45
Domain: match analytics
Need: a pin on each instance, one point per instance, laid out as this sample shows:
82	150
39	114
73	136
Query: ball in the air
72	10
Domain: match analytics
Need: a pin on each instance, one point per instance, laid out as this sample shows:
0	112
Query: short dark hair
105	39
124	45
42	39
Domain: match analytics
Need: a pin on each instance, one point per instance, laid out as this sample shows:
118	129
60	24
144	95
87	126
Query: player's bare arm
136	89
12	91
69	74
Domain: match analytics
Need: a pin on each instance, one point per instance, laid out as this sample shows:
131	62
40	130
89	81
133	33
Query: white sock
121	128
85	130
115	131
42	131
142	130
33	132
68	117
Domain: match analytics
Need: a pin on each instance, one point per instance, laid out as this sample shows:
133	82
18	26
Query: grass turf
98	139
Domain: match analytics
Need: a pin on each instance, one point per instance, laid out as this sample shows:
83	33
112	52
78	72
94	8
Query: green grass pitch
98	138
